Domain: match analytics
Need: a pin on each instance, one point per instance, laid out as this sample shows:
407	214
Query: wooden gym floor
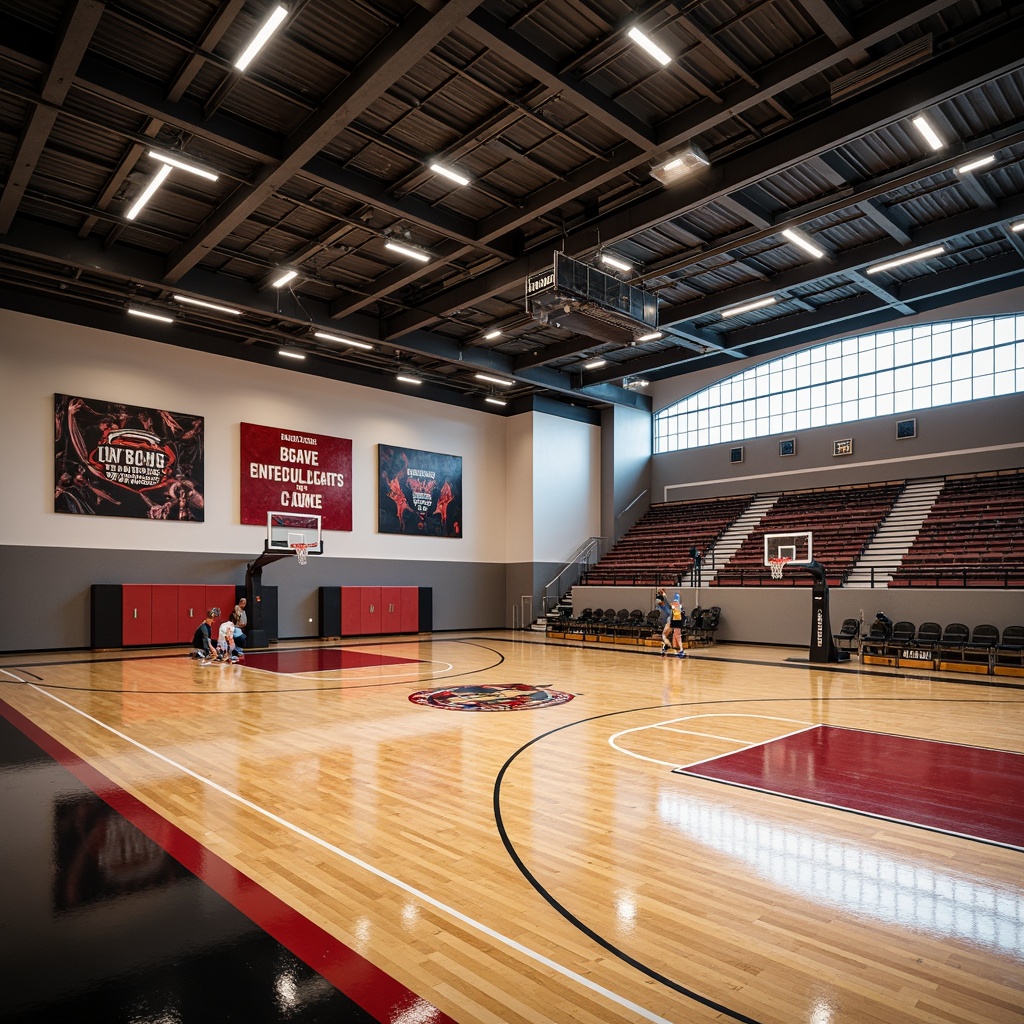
296	839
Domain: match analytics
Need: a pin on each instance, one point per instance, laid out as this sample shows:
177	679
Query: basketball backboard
795	547
286	529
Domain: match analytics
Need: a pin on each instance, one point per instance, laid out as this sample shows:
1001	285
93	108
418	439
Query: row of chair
700	624
956	641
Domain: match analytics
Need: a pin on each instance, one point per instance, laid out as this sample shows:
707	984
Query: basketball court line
687	718
779	778
384	876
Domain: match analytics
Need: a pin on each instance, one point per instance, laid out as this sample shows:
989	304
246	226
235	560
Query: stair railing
582	559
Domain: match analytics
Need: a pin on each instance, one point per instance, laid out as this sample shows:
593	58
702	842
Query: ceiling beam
492	33
812	59
78	29
858	259
945	76
401	51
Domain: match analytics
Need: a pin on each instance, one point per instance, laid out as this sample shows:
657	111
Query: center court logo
510	697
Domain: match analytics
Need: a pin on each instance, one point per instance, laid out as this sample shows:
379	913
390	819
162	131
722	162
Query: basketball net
300	552
776	565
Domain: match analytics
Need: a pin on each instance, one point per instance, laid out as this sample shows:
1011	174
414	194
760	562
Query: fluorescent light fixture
491	335
324	336
616	263
983	161
651	47
804	243
158	180
748	306
928	133
496	401
174	160
680	164
162	317
267	29
416	254
283	278
495	380
291	353
188	301
1019	226
408	380
447	172
653	336
595	364
924	254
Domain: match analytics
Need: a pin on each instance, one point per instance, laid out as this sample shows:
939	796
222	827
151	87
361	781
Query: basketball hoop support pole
257	635
823	646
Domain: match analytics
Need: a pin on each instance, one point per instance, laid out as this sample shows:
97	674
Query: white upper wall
566	486
39	357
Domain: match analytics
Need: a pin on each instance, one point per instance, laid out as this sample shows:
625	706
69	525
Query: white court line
12	675
689	718
760	743
383	875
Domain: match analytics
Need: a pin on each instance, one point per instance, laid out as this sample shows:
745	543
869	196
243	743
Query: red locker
351	611
391	609
222	597
136	614
165	614
370	618
410	615
191	609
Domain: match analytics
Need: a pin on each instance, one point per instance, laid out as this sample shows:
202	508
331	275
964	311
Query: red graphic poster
291	470
112	459
419	492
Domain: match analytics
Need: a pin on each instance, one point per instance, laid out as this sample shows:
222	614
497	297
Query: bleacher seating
841	519
973	536
656	551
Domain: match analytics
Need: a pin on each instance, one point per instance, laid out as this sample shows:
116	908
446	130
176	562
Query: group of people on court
230	637
672	618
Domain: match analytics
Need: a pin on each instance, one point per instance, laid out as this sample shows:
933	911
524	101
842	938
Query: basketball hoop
300	552
776	565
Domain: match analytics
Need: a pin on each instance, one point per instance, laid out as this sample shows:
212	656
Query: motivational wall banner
112	459
294	471
419	492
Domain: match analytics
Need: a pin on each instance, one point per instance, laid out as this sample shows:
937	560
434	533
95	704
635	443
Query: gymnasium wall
782	615
48	561
963	438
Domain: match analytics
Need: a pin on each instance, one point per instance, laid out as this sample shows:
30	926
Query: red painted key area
968	791
320	659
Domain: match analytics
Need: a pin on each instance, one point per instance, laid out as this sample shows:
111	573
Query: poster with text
420	492
295	471
112	459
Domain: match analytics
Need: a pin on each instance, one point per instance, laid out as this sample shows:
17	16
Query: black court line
588	931
40	681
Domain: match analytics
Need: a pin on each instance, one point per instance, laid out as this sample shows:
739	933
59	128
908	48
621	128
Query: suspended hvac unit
577	297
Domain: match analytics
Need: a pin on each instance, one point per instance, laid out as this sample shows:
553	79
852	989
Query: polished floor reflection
298	840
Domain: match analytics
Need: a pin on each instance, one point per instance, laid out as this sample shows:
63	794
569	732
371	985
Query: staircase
895	535
729	543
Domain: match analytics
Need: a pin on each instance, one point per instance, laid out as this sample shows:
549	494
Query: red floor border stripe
365	984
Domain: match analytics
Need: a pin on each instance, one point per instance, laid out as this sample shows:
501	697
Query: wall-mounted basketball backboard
794	547
286	531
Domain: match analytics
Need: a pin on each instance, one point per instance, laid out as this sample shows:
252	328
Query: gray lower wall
48	589
782	615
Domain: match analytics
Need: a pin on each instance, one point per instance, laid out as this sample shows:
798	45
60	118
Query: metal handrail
1005	577
632	503
579	560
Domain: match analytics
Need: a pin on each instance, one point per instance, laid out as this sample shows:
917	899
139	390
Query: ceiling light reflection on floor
857	879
